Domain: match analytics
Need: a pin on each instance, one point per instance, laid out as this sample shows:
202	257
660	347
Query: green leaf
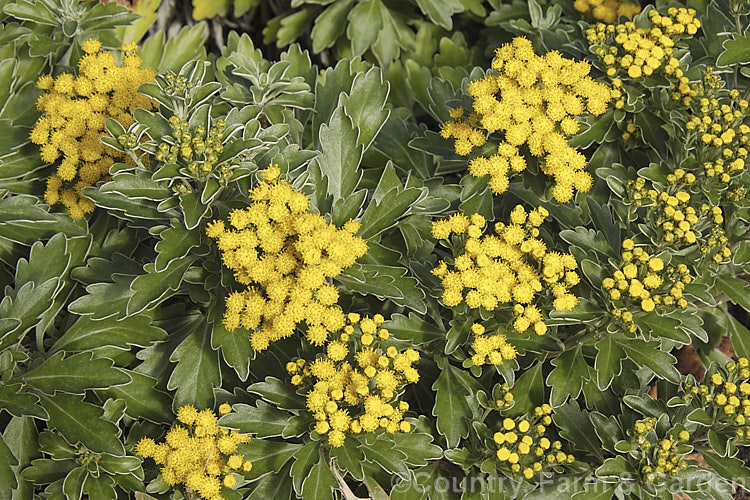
149	289
607	428
364	25
739	335
608	361
320	482
31	11
330	25
236	349
74	374
142	398
277	486
382	452
736	289
385	213
104	300
587	239
304	460
731	469
197	371
28	306
601	216
454	402
45	470
88	333
736	51
73	483
661	326
262	420
700	416
350	457
20	435
528	391
130	208
418	448
566	379
596	491
412	328
614	468
7	476
575	426
385	282
175	243
366	102
267	456
45	261
81	421
648	354
20	403
193	210
279	393
339	161
102	487
189	44
646	405
651	130
440	12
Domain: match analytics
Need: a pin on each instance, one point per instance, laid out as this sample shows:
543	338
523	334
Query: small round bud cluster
725	396
511	267
716	244
669	211
353	387
502	397
607	11
644	281
198	454
128	141
524	446
659	458
492	349
723	138
640	52
631	131
198	150
177	85
534	101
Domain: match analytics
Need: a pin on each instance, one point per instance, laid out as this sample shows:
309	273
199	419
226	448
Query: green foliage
108	325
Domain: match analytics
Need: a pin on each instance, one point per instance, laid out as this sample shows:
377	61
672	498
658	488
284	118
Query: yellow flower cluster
723	136
726	396
539	100
640	52
670	213
523	446
512	266
285	254
640	279
74	110
492	349
198	453
352	388
607	10
662	456
717	243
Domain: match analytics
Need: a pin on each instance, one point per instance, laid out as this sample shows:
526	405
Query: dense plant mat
423	249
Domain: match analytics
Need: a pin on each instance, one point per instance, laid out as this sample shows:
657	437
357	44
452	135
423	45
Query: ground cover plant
430	249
